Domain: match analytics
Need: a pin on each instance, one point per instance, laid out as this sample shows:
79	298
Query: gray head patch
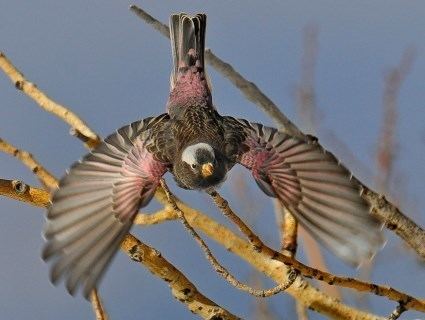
193	153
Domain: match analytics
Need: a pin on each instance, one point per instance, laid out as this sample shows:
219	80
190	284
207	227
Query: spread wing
312	184
96	202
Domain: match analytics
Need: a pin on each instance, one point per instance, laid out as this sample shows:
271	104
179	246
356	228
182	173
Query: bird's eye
194	165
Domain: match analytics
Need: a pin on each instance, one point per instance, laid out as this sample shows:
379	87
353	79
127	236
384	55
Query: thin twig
248	88
301	289
289	230
154	23
97	306
301	311
299	282
397	312
306	95
408	232
315	258
395	220
45	177
309	272
20	191
194	300
308	113
31	90
289	242
387	148
181	288
222	271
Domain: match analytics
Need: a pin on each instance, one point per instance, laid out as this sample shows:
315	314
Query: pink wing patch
315	187
96	202
140	177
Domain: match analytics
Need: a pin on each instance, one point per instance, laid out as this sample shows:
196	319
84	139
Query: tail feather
187	35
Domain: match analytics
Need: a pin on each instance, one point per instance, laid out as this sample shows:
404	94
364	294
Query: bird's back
197	123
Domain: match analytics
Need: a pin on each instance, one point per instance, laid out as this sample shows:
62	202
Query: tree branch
45	177
46	103
311	297
220	269
97	306
409	301
278	271
248	89
181	288
396	221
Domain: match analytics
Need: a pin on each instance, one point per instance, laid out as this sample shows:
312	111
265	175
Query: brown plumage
96	202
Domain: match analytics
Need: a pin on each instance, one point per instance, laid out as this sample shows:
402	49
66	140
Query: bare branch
31	90
316	259
306	95
153	260
301	311
45	177
397	312
165	214
301	289
181	288
409	301
396	221
97	306
386	143
20	191
247	88
308	114
154	23
222	271
289	230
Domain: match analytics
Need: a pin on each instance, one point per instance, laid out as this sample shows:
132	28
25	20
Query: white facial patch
188	154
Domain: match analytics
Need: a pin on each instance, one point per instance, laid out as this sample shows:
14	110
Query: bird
96	201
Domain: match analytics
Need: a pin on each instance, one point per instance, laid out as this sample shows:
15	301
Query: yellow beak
207	169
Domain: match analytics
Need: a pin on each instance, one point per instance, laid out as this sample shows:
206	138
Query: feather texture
96	202
312	184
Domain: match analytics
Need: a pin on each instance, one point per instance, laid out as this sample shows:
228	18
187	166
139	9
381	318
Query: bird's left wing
311	183
96	202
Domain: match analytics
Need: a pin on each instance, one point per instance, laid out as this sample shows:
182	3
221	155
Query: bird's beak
207	169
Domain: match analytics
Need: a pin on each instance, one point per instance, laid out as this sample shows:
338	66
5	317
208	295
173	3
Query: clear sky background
111	68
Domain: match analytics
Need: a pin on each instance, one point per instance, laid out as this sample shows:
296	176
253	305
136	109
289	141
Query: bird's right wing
311	183
96	202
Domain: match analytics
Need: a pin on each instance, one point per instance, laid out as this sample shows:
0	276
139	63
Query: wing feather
312	184
96	202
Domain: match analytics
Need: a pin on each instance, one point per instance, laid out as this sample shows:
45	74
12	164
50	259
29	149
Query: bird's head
200	166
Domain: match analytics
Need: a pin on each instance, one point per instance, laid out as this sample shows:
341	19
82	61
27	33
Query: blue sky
110	68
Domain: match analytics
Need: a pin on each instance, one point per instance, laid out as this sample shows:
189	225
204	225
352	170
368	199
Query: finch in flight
99	197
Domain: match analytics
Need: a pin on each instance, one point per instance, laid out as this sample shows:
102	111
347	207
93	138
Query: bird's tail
187	35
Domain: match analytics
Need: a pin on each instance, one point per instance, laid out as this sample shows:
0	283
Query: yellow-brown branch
181	288
45	102
45	177
99	310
